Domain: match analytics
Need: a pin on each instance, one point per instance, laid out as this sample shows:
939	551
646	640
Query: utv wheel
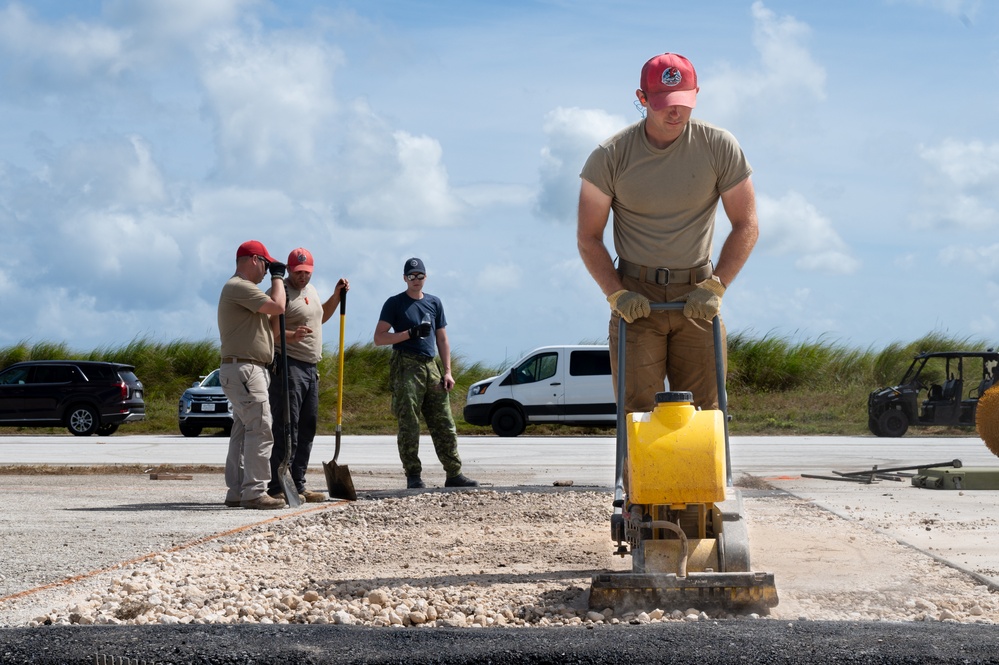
893	423
190	430
82	420
507	421
872	424
107	429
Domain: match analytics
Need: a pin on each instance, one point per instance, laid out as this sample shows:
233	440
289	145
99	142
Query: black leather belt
664	276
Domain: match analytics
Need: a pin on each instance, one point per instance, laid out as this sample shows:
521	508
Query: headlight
478	390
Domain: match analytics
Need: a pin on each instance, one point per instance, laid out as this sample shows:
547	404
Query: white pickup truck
552	384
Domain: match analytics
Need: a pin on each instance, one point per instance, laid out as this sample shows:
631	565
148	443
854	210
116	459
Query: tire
893	423
508	421
107	429
189	430
872	424
82	420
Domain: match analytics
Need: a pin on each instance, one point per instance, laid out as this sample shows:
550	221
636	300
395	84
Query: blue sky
143	142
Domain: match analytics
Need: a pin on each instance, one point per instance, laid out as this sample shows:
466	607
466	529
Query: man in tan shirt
247	349
304	317
663	177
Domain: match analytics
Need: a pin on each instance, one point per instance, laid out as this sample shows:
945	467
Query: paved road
538	460
151	517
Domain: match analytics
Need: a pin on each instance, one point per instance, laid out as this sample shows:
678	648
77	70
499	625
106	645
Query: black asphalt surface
704	643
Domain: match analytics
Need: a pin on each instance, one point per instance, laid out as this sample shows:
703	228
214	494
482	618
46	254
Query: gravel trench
482	559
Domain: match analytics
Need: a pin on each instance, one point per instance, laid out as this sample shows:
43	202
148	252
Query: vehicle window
104	373
589	363
536	368
14	376
54	374
128	376
212	380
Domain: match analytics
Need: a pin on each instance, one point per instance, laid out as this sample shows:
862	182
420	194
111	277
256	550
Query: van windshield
536	368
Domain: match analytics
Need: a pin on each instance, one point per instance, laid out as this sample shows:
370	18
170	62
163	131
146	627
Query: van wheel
507	421
893	423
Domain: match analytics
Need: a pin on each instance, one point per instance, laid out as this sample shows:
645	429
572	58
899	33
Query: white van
553	384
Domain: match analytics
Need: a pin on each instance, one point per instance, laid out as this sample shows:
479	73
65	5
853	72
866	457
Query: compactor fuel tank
676	454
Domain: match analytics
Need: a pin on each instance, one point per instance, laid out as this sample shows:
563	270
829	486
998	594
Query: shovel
338	476
290	491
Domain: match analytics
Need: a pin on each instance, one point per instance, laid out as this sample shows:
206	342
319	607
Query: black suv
86	396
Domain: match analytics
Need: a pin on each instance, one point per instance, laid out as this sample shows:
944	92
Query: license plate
207	407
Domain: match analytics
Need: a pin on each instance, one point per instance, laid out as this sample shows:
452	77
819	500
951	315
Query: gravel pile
447	559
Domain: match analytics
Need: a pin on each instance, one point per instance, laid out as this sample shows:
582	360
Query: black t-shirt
402	313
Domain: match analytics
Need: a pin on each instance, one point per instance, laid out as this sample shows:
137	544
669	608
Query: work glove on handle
421	330
704	302
629	305
277	268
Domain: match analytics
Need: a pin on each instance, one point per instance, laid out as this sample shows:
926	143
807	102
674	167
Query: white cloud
572	134
499	278
52	55
272	101
966	10
786	72
960	184
175	19
982	260
791	226
392	179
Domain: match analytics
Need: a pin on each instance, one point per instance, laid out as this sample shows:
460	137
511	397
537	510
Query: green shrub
775	385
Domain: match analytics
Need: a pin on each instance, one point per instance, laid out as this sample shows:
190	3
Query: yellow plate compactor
675	510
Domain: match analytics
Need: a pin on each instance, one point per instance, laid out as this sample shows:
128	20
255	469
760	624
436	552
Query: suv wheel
189	430
507	421
107	429
82	420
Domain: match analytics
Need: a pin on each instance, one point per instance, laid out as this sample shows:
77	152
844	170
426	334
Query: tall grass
775	384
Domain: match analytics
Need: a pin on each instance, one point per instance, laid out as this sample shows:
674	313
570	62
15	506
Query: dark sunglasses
415	276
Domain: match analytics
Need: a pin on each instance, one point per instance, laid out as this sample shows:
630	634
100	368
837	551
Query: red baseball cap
300	259
669	80
254	248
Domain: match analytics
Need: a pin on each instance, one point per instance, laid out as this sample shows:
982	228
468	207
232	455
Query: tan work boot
312	497
263	502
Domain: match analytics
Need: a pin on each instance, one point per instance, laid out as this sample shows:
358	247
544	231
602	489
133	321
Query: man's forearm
598	262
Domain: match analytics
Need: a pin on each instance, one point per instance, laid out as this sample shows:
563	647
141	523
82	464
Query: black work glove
421	330
277	268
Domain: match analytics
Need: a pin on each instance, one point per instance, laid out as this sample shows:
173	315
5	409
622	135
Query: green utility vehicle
939	389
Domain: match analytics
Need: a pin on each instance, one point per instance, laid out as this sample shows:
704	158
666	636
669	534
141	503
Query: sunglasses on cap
412	277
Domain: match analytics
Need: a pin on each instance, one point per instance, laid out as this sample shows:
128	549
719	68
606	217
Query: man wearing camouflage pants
413	322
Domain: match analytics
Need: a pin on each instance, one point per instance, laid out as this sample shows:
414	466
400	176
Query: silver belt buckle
662	276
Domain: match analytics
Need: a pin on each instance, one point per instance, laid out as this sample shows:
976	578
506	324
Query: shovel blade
288	485
338	481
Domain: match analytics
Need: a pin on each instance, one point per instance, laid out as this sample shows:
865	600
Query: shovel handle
339	390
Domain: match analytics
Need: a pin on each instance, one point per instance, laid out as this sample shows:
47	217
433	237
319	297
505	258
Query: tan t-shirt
244	332
664	201
303	309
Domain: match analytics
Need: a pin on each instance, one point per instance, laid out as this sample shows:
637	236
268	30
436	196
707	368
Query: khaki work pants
666	346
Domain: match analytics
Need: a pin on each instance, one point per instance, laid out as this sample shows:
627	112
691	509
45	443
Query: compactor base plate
625	591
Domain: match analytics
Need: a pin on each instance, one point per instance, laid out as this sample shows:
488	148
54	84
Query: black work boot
461	480
414	482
